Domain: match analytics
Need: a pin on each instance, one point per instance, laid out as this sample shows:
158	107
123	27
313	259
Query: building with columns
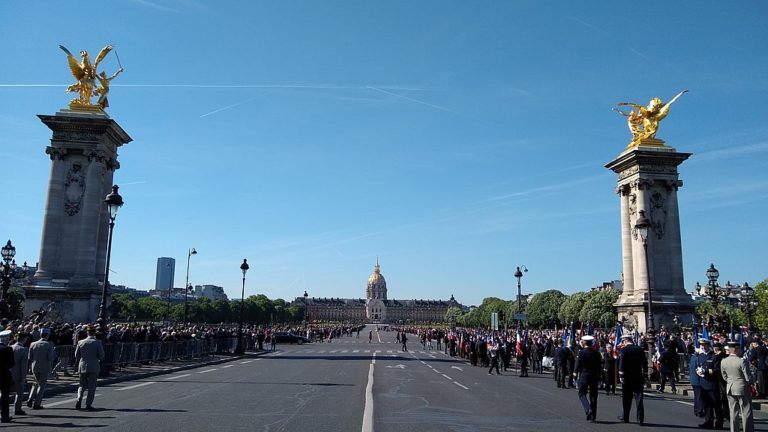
376	307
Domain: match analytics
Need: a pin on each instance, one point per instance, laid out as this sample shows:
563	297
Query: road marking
436	370
136	386
333	351
345	351
355	351
367	351
256	359
423	362
177	376
465	388
377	351
368	412
448	377
321	352
246	362
684	403
64	402
227	366
207	370
456	367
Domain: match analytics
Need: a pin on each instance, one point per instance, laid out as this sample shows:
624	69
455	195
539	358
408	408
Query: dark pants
713	410
494	364
5	399
667	375
590	405
698	408
760	382
556	374
609	379
629	392
561	377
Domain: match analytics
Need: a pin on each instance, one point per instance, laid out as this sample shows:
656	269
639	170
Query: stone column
70	272
648	180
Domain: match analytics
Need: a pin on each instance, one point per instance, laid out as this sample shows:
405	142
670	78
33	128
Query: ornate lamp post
9	271
642	226
715	293
747	303
306	308
240	348
186	283
114	201
519	275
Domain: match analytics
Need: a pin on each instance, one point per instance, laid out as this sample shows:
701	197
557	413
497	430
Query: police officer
709	372
587	371
633	367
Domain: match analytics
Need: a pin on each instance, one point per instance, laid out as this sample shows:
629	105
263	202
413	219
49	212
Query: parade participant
19	371
609	370
668	364
404	341
6	363
587	373
738	377
493	353
632	370
41	355
90	352
710	391
720	355
759	359
695	380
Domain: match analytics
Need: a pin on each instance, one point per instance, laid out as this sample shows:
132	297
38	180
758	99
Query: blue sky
452	139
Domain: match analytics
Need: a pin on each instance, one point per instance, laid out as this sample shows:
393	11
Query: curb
107	381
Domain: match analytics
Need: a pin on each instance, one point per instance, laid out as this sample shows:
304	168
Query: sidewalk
66	384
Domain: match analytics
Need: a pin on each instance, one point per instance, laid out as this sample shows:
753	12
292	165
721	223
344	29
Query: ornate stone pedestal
648	180
70	271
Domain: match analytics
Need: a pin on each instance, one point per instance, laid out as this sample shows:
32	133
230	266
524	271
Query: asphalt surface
327	387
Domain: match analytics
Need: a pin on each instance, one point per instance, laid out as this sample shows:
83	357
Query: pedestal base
635	315
63	304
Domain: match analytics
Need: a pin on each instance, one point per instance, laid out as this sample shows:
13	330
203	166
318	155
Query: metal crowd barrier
120	355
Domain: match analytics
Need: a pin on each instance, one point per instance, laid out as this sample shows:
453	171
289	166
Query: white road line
355	351
345	351
177	377
256	359
377	351
227	366
136	386
423	362
368	412
465	388
207	370
321	352
64	402
333	351
684	403
448	377
367	351
246	362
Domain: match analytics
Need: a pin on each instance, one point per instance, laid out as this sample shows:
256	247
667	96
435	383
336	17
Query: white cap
588	338
5	334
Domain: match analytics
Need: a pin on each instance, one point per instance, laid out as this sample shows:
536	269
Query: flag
565	336
705	332
696	336
518	344
659	344
617	339
573	335
732	337
589	328
742	338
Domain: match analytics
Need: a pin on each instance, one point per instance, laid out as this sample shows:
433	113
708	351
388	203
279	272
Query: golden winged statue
86	76
644	123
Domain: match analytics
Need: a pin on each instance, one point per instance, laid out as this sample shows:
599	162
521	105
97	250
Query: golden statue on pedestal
86	76
644	123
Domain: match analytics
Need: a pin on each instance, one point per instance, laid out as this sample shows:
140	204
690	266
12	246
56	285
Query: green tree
453	311
760	316
544	309
598	307
571	308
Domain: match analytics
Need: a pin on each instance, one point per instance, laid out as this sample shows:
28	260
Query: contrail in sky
227	107
242	86
413	100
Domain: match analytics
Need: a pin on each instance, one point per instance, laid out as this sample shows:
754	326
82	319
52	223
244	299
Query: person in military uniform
609	370
633	366
709	373
738	376
6	363
90	352
587	371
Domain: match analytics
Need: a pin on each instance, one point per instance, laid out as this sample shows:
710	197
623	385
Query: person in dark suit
669	363
758	357
709	373
587	371
556	352
633	366
6	363
609	370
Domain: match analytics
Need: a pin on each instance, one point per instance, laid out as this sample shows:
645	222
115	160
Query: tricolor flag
617	339
518	344
705	332
572	335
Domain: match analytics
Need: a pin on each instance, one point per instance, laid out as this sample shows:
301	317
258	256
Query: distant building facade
166	268
376	307
211	292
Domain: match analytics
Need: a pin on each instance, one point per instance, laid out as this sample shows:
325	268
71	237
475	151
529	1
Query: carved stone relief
632	212
74	189
56	152
658	213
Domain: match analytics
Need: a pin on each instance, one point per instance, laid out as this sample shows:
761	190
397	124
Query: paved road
347	385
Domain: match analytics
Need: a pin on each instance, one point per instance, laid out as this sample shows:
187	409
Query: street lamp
642	226
747	303
714	292
240	348
8	271
306	308
186	283
113	201
519	275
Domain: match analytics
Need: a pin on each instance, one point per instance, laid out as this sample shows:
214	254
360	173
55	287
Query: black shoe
29	403
90	408
5	420
589	416
622	419
38	407
78	406
19	412
706	425
718	425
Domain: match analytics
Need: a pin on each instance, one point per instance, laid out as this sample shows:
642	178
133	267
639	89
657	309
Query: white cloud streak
413	100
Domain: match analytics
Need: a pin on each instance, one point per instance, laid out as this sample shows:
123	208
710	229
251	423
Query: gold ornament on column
644	122
86	75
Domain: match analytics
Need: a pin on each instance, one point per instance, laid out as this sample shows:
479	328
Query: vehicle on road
287	337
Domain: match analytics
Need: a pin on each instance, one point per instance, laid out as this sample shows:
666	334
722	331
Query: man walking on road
588	371
41	355
19	371
632	369
738	378
91	353
404	339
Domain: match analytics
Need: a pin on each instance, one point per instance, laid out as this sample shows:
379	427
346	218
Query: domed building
376	307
